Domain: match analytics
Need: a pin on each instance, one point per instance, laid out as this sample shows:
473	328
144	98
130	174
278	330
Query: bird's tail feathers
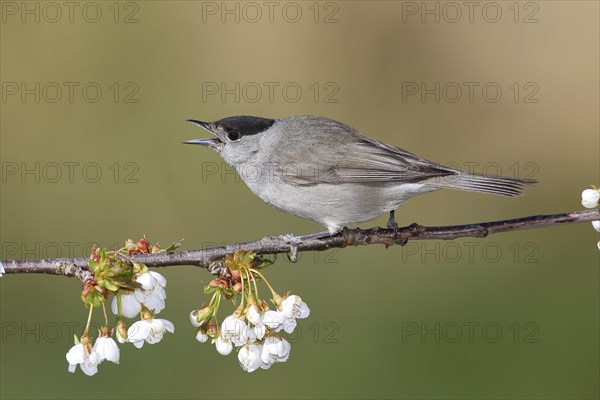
501	185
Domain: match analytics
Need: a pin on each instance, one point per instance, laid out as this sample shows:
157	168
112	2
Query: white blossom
148	330
152	293
106	348
596	225
288	325
194	319
291	308
254	317
273	319
249	357
130	306
2	270
235	329
590	198
258	331
201	336
294	307
85	357
253	331
275	349
152	281
224	346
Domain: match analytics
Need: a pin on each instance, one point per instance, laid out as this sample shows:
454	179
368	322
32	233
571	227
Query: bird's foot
295	241
392	224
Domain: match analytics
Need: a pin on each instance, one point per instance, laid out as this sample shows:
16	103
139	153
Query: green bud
130	245
93	295
120	271
109	285
203	314
172	247
139	268
94	266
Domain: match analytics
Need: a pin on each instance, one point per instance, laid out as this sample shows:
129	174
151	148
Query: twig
77	267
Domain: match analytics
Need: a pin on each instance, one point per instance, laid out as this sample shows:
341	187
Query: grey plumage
326	171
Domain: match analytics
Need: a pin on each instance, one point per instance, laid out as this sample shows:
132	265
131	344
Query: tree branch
77	267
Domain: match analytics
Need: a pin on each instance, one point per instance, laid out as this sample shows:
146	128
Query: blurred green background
389	323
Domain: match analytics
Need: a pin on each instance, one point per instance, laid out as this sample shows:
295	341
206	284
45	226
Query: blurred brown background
93	154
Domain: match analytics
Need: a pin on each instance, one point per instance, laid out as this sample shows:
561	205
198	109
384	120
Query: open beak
210	142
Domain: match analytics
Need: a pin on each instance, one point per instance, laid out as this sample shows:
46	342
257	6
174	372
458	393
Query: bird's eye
233	136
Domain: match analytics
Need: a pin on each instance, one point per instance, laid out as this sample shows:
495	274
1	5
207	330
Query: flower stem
264	279
243	291
89	321
119	304
250	276
105	315
218	303
255	285
213	299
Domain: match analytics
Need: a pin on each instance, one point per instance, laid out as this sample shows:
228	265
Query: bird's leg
391	224
295	241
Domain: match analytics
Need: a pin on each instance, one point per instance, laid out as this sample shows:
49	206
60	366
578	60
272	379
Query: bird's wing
353	158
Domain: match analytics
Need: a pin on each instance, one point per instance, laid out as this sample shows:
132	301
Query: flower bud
212	329
86	289
235	274
223	346
253	314
237	287
102	291
130	245
199	317
590	198
94	254
219	283
121	331
201	335
93	295
155	249
142	245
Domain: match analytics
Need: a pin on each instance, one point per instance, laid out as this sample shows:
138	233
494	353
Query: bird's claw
392	224
294	242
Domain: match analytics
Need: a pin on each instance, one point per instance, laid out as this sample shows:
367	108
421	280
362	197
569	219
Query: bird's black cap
245	125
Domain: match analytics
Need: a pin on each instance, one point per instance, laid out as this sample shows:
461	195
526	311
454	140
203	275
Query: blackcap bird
326	171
